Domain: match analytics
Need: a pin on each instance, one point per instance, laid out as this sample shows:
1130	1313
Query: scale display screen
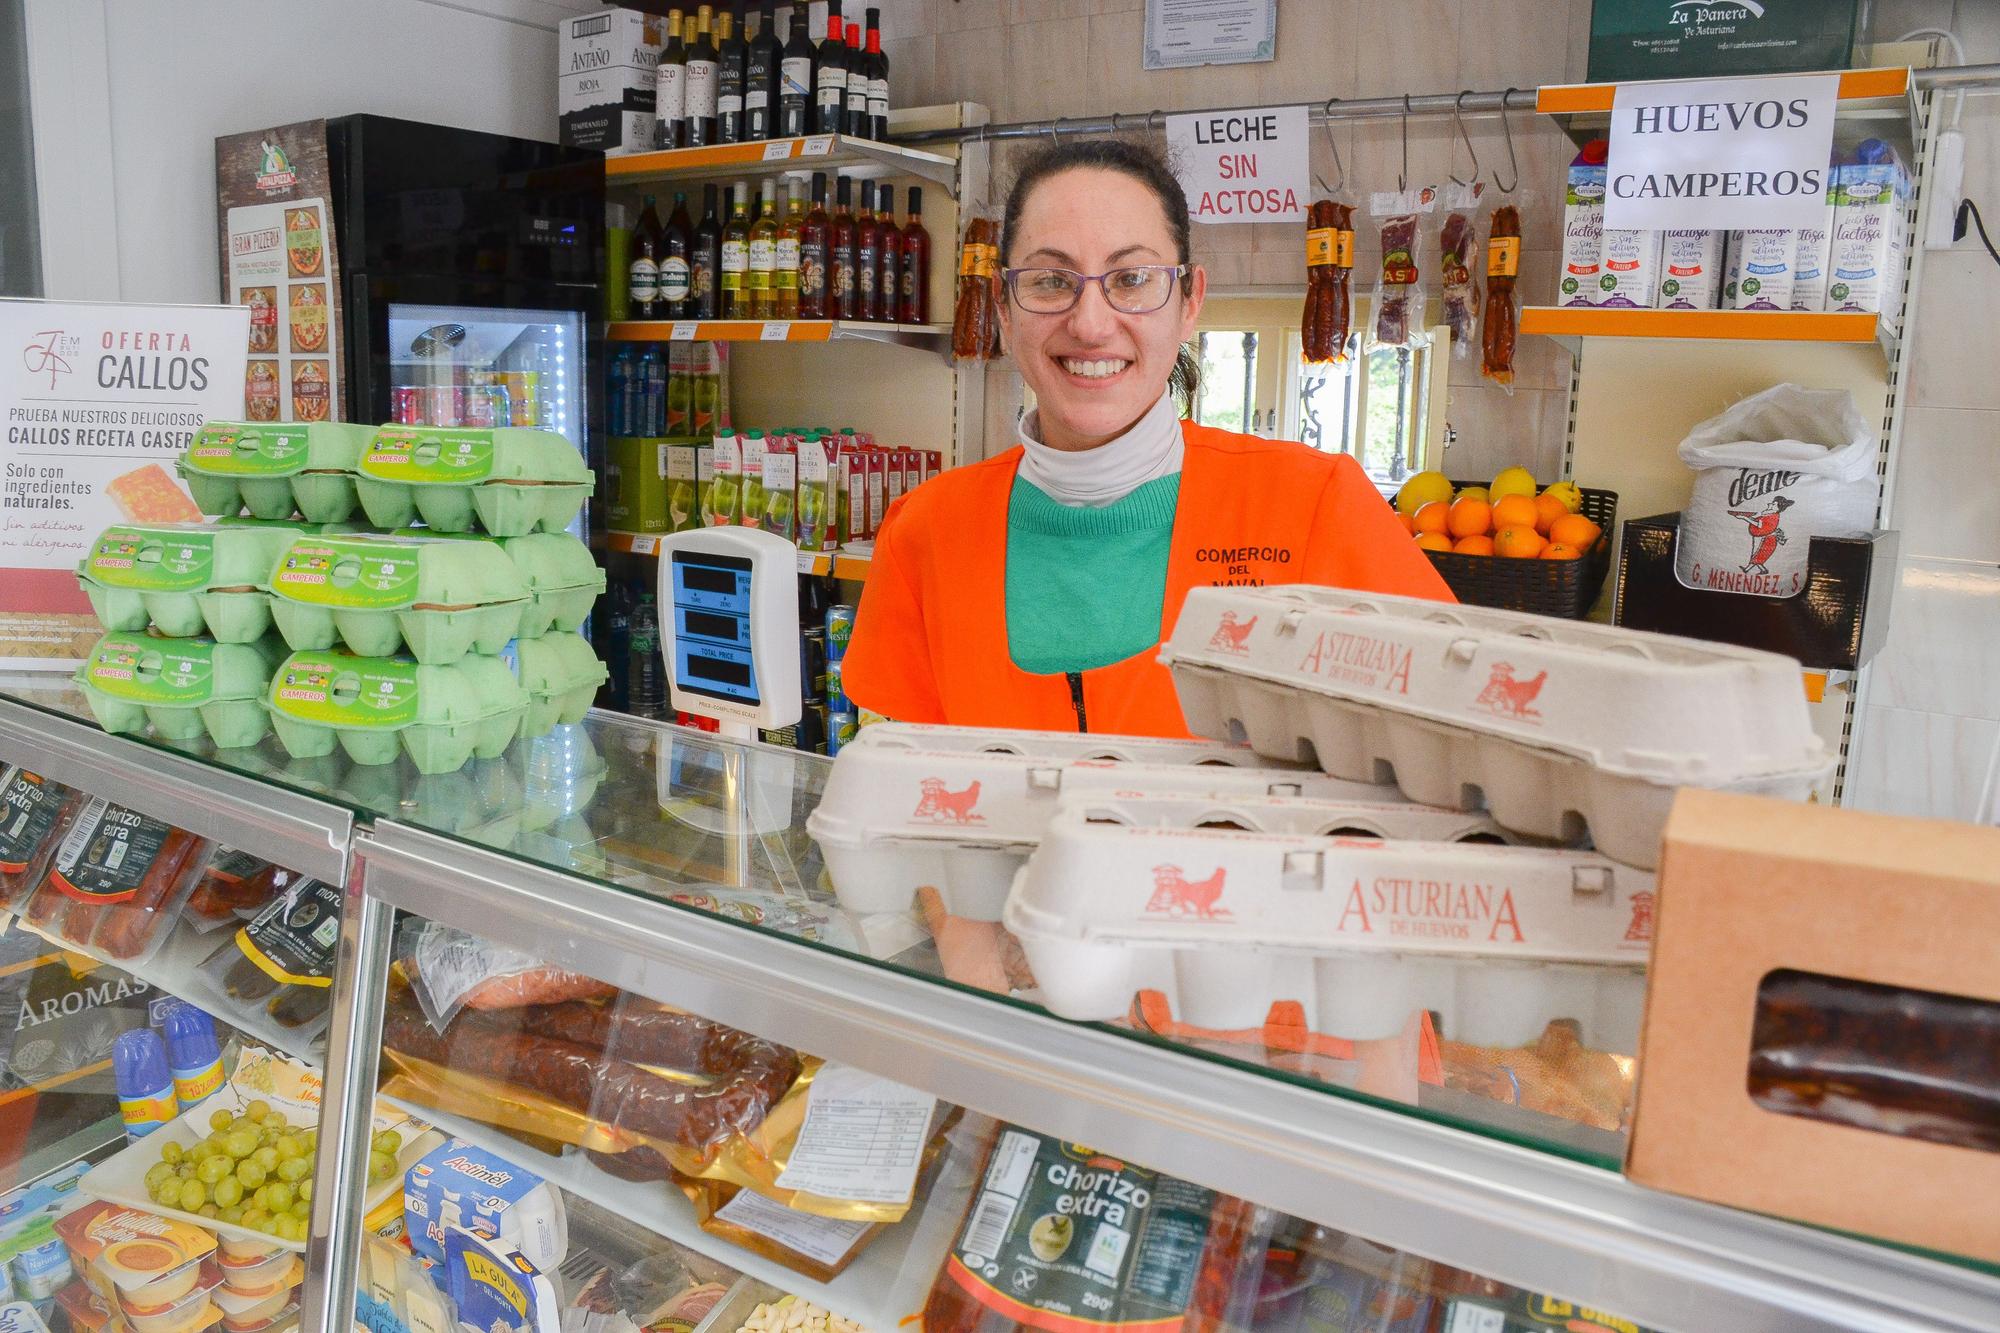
711	595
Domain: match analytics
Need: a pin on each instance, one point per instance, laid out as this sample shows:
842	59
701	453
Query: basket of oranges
1511	544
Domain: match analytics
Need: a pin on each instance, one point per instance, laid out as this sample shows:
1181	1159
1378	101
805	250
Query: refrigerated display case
675	867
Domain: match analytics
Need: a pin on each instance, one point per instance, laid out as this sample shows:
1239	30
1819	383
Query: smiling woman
1032	590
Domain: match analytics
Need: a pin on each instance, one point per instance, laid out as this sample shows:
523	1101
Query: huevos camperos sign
1728	154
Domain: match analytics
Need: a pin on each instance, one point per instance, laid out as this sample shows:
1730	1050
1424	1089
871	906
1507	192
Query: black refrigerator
471	278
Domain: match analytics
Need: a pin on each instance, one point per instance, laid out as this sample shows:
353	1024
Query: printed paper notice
1730	154
863	1138
824	1240
1180	33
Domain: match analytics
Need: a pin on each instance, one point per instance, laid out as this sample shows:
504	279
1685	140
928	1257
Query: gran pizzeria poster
99	400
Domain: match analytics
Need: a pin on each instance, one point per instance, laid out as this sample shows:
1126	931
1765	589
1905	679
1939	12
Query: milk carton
1631	275
1583	228
1690	270
1760	269
1870	196
1809	262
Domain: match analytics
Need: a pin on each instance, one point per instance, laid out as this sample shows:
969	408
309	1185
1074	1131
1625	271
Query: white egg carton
1559	728
1362	932
959	809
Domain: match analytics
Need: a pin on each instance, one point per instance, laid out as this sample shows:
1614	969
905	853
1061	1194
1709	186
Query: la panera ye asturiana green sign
1676	39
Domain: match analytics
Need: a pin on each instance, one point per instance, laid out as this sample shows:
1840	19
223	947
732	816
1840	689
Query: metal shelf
265	820
1569	324
1509	1212
864	158
931	337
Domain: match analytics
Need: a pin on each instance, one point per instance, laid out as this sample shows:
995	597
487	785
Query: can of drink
406	406
840	729
839	629
477	407
812	729
812	665
836	694
440	405
521	392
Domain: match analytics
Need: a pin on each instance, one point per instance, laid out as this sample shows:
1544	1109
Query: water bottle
648	674
656	392
193	1056
145	1086
614	399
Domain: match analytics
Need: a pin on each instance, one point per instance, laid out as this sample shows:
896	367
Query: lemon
1473	493
1425	488
1513	481
1567	492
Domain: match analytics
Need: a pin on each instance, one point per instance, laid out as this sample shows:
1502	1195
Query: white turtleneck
1092	478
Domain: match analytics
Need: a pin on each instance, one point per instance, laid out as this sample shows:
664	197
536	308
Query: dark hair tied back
1140	162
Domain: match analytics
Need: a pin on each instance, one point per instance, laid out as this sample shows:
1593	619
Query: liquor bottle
795	77
731	55
761	66
736	255
830	64
705	261
670	99
785	275
701	81
916	302
644	274
854	120
867	243
812	254
676	262
617	627
618	374
889	256
840	253
764	255
646	674
878	80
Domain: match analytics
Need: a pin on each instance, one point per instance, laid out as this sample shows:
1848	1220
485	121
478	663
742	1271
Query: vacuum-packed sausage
33	814
115	879
650	1036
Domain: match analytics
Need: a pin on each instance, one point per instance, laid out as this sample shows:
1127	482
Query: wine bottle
840	253
854	120
701	80
916	300
643	278
676	267
760	78
878	80
670	99
759	279
830	100
731	55
736	255
796	78
813	254
889	256
785	273
705	259
867	242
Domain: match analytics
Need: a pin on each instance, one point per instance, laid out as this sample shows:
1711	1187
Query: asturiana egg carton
959	809
1558	728
1363	932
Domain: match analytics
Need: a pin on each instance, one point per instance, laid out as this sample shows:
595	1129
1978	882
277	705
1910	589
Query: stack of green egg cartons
443	642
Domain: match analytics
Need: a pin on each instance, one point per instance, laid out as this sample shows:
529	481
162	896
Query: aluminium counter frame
1508	1212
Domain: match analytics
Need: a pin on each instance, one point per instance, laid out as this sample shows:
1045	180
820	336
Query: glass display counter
681	981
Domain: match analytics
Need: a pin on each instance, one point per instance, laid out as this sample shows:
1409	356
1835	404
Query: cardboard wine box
1755	892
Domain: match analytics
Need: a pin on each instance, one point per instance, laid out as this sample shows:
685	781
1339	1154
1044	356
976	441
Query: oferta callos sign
1723	154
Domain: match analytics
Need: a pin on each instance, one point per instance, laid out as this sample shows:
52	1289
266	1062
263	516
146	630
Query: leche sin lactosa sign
1243	166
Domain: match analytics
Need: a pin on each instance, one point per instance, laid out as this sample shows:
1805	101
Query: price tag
806	559
683	331
817	146
774	331
645	544
777	150
863	1137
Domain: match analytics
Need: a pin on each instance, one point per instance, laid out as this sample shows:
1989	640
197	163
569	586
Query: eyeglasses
1138	290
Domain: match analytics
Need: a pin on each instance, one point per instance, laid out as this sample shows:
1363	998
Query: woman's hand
975	953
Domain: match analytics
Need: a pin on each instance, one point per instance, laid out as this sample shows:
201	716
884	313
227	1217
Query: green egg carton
183	578
438	598
561	673
182	687
274	467
507	481
563	578
377	707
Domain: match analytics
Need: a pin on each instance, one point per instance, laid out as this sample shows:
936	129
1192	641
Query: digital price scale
729	627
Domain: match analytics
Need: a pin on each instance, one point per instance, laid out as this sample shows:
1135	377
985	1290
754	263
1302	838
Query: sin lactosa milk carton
1583	227
1690	270
1870	195
1761	269
1811	262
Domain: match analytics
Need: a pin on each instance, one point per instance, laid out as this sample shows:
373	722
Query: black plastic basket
1566	588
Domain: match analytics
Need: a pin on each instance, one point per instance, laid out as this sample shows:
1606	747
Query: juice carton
683	499
913	469
751	515
1583	227
1761	269
724	506
781	475
818	494
878	480
892	478
1690	270
1871	192
933	463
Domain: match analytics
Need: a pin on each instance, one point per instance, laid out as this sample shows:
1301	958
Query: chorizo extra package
116	882
33	814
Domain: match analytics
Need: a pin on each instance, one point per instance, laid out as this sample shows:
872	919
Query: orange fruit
1434	541
1548	508
1560	551
1470	517
1575	530
1521	543
1409	523
1433	517
1479	544
1514	511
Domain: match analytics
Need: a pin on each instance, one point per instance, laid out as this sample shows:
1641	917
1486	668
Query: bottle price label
778	150
645	545
817	146
774	331
683	331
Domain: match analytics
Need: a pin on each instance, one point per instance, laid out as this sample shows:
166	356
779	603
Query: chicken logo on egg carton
1640	931
1231	636
1505	696
1174	894
937	805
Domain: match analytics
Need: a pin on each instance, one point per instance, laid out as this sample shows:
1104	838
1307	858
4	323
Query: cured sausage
1503	266
1329	281
33	814
237	882
659	1037
116	879
586	1078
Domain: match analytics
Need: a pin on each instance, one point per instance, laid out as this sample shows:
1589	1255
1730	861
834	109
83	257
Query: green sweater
1085	587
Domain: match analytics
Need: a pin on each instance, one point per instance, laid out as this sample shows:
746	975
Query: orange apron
930	637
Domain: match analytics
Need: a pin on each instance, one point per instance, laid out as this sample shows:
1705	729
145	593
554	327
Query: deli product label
292	940
425	454
164	558
108	853
29	806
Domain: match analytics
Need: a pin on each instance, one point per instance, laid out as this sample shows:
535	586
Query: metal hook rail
1971	78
